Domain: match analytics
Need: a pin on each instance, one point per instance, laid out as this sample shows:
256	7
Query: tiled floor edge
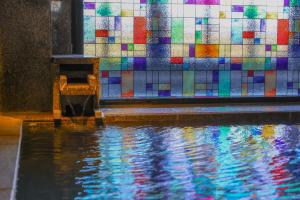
14	186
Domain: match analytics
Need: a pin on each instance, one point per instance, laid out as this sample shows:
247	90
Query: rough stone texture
61	26
25	55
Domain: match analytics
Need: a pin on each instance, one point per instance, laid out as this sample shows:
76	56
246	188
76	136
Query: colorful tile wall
195	48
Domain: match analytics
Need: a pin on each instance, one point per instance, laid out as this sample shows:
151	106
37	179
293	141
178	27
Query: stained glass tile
173	48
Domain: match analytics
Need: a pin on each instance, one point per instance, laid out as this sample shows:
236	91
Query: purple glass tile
237	8
282	63
263	25
114	80
149	86
190	1
268	47
236	66
290	85
88	5
139	63
259	79
222	60
286	2
165	40
117	23
294	50
208	2
215	76
143	1
192	51
164	93
124	47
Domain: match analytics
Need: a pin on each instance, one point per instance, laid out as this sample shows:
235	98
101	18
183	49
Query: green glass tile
251	12
104	9
224	83
124	60
124	63
154	23
110	63
297	26
254	63
268	65
177	30
124	67
130	47
157	1
188	83
294	3
205	20
274	47
108	9
198	37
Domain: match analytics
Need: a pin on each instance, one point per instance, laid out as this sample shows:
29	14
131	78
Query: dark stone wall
25	54
61	26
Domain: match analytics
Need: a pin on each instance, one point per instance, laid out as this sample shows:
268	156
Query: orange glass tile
207	51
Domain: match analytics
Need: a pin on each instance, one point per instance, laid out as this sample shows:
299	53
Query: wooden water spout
76	87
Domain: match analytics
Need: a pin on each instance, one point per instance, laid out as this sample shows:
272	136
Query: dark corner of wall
77	26
67	26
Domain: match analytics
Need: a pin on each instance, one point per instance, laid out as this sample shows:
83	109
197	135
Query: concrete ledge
206	115
10	140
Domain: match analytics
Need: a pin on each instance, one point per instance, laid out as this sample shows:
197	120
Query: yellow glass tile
176	50
90	49
127	13
130	53
139	53
222	15
222	50
101	40
140	47
164	86
236	50
227	50
186	50
272	15
200	86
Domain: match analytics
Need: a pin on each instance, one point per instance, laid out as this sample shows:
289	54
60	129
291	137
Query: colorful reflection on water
153	162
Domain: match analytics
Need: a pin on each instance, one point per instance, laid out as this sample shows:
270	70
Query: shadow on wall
61	26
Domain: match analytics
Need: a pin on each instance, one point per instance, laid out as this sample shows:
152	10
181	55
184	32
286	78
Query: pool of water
156	162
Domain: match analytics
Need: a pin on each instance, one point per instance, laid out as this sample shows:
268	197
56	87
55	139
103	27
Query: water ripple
153	162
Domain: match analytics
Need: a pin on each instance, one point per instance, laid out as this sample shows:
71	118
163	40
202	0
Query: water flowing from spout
84	105
71	106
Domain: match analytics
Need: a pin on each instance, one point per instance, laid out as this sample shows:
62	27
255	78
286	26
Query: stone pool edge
10	145
15	181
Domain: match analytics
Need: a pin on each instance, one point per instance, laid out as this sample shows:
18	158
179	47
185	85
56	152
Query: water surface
156	162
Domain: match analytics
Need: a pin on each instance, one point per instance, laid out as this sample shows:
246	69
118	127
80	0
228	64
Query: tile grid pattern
173	48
